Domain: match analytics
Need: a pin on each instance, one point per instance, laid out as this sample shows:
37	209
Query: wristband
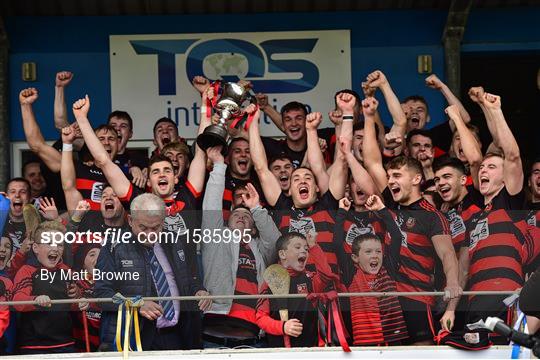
67	147
347	117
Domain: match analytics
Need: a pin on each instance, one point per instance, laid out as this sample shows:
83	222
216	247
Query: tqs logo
230	59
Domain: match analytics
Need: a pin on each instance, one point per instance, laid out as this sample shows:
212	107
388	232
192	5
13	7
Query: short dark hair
235	140
164	120
158	158
449	161
357	242
418	98
18	179
121	115
421	132
402	160
32	160
302	167
280	156
283	241
294	105
107	128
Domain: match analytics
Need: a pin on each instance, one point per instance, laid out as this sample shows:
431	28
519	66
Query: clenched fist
376	79
434	82
313	120
28	96
81	107
369	106
477	94
200	83
63	78
346	102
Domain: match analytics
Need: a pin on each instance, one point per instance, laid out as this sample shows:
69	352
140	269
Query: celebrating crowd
356	207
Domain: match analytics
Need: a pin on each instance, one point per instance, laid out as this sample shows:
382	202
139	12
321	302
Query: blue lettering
254	56
166	51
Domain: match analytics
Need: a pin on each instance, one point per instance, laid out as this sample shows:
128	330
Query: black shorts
419	320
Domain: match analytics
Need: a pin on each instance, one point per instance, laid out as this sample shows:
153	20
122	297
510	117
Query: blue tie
161	285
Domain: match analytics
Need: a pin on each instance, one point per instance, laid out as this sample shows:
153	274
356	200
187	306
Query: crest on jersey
303	225
175	224
531	219
302	288
399	222
181	255
97	190
457	225
410	223
480	232
355	231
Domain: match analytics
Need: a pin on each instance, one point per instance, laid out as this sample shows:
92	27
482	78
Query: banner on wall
151	74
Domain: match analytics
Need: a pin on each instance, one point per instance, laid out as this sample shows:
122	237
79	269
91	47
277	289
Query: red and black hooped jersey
500	244
319	219
360	223
246	284
89	182
533	219
419	223
459	216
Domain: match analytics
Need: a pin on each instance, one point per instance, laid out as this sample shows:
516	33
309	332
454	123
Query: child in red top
293	252
374	321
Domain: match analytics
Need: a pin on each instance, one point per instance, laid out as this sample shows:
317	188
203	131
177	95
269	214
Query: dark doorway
514	78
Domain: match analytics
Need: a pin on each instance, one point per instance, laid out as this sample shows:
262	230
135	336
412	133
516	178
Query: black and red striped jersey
419	223
500	243
533	219
459	215
319	219
89	182
360	223
230	184
246	284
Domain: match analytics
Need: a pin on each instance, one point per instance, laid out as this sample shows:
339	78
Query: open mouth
165	140
304	192
415	120
243	164
484	180
294	130
53	257
302	260
284	179
374	264
3	257
17	205
395	190
163	183
444	190
109	206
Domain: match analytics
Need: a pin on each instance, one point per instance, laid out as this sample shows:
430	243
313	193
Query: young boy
85	259
44	328
375	321
293	250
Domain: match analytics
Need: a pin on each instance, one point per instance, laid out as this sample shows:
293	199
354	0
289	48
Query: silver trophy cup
228	106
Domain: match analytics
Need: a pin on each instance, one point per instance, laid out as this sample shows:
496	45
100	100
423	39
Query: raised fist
262	100
376	79
369	106
63	78
313	120
246	84
214	154
200	83
392	140
452	111
368	90
477	94
374	203
335	117
345	204
434	82
81	107
345	103
70	133
28	96
492	101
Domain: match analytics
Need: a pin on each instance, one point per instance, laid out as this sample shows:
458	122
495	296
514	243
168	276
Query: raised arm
378	80
36	142
513	169
477	95
471	147
115	176
67	168
339	173
370	147
314	154
197	169
212	216
272	113
434	82
269	183
63	78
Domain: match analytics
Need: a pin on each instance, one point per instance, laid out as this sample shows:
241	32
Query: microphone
497	325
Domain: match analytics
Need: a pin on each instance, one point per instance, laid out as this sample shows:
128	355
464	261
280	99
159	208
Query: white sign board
151	74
